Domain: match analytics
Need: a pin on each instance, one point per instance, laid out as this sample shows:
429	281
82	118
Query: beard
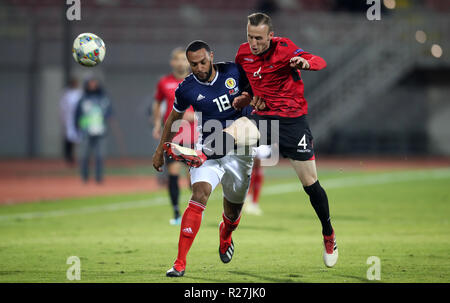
208	74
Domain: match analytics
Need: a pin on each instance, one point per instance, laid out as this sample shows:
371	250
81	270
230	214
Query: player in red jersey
165	90
272	65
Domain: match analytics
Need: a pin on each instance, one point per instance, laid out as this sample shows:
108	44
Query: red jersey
272	78
165	90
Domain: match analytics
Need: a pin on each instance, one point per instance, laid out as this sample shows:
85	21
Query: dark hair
196	45
260	18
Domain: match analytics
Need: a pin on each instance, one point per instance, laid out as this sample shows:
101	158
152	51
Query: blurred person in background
163	177
67	106
165	91
91	115
251	205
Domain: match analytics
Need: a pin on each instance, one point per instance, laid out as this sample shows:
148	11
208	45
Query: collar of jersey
207	83
267	50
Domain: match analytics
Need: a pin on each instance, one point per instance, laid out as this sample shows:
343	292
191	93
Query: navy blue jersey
212	100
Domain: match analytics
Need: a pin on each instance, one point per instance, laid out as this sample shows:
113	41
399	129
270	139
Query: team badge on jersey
230	83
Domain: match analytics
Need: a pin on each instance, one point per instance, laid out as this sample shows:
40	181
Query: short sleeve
159	94
190	109
180	103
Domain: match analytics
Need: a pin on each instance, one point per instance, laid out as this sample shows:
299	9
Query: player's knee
308	180
201	192
244	132
307	177
315	191
200	197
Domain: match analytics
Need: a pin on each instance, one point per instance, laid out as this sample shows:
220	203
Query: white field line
86	210
384	178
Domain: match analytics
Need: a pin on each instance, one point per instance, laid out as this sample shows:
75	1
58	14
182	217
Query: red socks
190	224
256	182
228	228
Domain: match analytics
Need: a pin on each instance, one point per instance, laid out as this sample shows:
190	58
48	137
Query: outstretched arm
167	136
307	61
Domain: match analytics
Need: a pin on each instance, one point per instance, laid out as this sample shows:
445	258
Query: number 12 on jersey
223	103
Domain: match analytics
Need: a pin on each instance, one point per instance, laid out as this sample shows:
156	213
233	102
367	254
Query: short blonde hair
260	18
176	51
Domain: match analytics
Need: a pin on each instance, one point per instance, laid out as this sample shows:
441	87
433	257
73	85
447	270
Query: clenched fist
258	103
158	159
242	101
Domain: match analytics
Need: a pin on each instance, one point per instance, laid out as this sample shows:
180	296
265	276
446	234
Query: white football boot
330	251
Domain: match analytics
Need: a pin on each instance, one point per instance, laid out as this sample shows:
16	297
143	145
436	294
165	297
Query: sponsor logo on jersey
249	59
200	97
230	83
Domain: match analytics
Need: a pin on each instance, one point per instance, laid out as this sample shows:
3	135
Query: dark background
382	93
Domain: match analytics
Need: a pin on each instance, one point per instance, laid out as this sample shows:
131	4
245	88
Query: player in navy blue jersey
211	89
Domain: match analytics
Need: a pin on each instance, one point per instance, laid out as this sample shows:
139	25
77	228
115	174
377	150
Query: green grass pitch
402	217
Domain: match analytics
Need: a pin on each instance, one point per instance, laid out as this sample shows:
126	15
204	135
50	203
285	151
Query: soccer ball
88	49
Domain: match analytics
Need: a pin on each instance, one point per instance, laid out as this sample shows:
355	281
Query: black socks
174	192
319	202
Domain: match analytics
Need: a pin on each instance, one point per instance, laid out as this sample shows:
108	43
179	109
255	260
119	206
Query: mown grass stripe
343	182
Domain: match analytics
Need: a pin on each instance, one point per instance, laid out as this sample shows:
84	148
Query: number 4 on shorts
302	142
